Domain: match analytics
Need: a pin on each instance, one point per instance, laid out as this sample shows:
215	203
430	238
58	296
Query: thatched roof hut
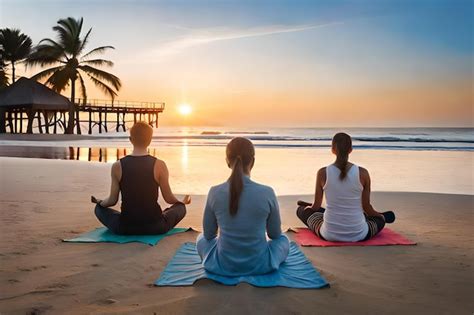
29	94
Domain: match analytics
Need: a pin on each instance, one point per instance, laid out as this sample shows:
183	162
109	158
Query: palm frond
45	55
102	75
79	43
47	52
104	87
98	62
69	30
97	50
79	23
59	80
15	45
64	37
84	42
52	43
41	75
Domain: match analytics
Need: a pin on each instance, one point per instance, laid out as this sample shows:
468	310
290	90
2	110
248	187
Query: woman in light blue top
244	212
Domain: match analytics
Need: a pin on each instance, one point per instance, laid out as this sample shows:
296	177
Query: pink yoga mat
306	237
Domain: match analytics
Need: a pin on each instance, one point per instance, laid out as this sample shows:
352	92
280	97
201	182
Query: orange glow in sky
242	64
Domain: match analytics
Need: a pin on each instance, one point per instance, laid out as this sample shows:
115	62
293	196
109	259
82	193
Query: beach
44	201
380	93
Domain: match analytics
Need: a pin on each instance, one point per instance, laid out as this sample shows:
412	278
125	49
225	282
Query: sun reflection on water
185	155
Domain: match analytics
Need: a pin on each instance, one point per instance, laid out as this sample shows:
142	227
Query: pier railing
119	104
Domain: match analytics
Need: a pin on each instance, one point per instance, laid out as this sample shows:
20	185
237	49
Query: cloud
204	37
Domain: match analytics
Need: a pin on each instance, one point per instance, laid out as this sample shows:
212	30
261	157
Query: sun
185	109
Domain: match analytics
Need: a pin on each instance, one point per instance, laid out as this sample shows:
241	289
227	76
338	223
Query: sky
274	63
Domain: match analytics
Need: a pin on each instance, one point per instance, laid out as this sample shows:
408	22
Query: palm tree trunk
13	71
9	114
78	123
72	109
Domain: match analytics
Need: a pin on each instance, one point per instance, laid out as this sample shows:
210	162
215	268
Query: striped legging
315	218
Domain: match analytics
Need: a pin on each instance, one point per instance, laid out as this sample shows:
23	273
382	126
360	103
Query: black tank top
139	191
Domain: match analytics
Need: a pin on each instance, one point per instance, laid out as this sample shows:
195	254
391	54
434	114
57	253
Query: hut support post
78	120
105	120
39	122
15	121
100	121
10	121
21	121
118	122
62	120
55	127
46	121
3	128
30	114
90	121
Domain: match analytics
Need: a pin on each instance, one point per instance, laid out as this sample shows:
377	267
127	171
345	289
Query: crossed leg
313	219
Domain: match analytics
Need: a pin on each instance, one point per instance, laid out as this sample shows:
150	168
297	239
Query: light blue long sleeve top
242	247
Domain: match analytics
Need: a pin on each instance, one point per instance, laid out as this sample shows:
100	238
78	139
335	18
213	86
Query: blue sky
392	60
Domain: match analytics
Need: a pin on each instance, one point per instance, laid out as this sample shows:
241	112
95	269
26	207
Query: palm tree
3	84
70	64
16	46
3	72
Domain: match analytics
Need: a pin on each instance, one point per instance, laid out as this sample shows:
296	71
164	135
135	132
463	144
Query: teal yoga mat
102	234
185	268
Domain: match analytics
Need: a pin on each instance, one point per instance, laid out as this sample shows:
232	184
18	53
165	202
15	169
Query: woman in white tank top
349	216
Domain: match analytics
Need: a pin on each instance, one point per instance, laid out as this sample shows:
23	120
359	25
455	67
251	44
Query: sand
43	201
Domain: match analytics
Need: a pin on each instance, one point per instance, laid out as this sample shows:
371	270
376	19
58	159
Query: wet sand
43	201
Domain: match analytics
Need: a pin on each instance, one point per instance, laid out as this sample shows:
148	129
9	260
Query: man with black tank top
138	177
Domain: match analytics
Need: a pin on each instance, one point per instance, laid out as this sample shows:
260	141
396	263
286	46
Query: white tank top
344	218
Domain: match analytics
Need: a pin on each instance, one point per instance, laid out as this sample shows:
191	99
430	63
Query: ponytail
236	185
341	163
342	146
240	154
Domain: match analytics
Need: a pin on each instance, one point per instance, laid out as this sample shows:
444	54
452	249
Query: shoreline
188	176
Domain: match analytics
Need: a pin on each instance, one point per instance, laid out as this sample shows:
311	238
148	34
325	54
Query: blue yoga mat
185	268
104	235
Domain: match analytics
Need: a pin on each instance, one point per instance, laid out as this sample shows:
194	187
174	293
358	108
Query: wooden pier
101	115
99	112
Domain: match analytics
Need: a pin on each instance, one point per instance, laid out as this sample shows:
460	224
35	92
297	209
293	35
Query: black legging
110	218
314	220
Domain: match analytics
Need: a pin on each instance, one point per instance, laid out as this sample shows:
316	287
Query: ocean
454	139
437	160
